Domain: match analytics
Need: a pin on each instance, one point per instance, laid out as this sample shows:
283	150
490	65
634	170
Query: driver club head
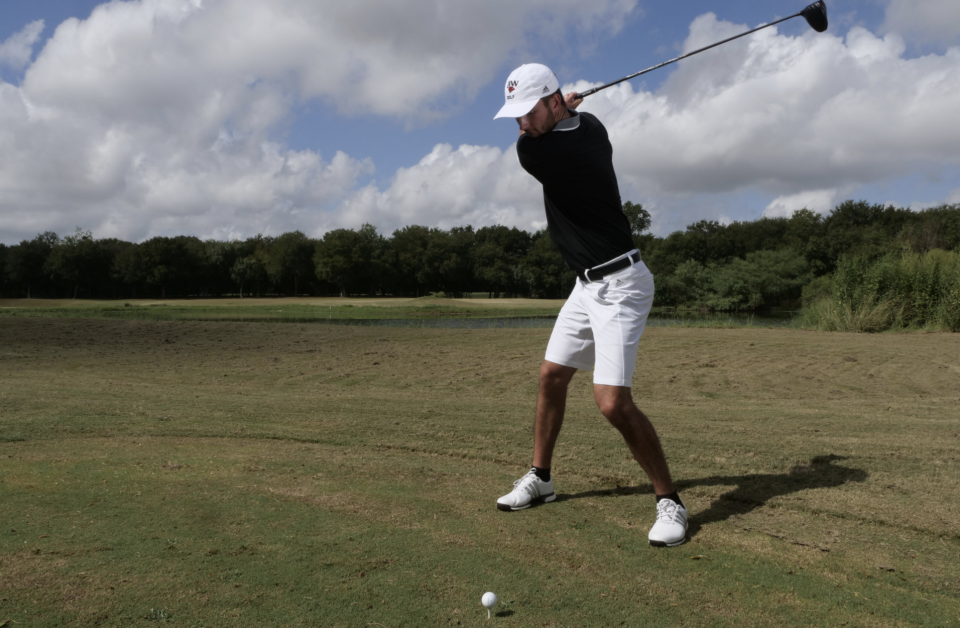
816	16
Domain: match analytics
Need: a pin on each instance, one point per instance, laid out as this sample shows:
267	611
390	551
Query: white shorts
599	326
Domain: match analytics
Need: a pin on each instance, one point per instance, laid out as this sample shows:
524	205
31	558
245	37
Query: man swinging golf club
600	325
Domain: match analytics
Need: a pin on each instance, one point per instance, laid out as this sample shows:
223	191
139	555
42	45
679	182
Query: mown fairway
245	474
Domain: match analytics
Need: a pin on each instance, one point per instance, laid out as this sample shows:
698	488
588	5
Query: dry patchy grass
224	474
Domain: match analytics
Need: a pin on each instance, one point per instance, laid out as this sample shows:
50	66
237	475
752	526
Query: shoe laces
528	483
667	510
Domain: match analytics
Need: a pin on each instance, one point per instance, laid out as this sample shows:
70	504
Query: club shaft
684	56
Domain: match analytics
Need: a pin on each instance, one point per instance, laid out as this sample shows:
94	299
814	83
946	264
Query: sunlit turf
240	474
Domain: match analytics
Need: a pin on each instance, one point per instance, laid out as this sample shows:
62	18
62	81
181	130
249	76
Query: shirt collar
569	124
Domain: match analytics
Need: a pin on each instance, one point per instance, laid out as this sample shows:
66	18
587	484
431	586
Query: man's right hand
572	101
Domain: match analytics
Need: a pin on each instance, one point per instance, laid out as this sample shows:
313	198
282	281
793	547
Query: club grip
582	95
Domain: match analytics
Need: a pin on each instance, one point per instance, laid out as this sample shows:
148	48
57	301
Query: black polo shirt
574	162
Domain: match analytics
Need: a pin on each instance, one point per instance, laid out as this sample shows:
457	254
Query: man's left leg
618	308
616	404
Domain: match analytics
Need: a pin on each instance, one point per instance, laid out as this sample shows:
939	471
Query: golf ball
489	599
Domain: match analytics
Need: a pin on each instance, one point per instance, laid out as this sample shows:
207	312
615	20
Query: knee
553	376
616	408
612	409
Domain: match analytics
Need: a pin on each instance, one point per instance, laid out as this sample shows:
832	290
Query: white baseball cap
525	86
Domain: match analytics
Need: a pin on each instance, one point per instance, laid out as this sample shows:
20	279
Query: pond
657	319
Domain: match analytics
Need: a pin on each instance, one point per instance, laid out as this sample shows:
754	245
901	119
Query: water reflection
447	323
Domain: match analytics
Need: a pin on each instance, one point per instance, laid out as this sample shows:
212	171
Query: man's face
542	118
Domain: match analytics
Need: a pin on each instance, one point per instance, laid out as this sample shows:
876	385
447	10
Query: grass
202	473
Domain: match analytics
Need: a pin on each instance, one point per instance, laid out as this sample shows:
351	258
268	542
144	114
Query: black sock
543	474
674	496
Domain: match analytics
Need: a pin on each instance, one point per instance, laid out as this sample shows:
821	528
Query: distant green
279	312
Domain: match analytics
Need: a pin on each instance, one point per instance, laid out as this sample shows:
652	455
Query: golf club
815	14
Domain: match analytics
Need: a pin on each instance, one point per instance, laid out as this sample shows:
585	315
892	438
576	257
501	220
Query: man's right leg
551	405
537	485
570	348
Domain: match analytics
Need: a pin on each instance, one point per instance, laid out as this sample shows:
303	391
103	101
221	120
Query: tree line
742	265
772	261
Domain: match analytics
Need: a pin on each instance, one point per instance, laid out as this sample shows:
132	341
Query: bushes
818	289
763	278
894	291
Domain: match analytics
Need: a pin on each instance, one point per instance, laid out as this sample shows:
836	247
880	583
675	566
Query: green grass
235	474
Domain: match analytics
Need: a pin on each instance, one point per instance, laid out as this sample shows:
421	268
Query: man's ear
558	98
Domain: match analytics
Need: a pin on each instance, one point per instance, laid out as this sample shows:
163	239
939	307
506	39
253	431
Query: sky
230	118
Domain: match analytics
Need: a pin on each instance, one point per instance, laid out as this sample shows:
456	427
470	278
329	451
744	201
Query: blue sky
269	117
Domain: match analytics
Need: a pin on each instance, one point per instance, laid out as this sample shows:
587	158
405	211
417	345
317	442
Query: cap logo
545	89
512	85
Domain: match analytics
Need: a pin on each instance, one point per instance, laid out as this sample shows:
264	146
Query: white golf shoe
526	491
671	526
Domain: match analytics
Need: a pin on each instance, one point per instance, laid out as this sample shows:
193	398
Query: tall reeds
893	292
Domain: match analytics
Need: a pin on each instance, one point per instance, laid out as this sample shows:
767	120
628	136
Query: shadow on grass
752	491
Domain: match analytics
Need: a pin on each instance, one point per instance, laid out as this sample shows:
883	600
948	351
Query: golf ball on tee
489	599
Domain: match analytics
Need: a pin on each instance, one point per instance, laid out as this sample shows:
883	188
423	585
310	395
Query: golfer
600	325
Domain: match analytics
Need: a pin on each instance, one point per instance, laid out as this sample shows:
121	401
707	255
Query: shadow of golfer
752	491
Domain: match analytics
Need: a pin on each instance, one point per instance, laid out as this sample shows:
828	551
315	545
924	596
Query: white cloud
418	58
929	21
16	50
820	201
157	116
475	185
